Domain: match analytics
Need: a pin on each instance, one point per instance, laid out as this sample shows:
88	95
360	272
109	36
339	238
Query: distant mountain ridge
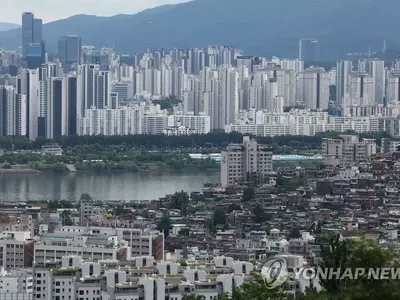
259	27
7	26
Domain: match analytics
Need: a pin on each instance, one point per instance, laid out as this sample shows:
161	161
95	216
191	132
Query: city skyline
51	11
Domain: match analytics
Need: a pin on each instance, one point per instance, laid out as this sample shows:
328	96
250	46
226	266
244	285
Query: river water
102	186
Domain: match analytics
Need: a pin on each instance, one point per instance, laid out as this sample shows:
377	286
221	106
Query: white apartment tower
89	76
378	74
103	89
314	88
229	95
243	162
361	88
343	70
393	86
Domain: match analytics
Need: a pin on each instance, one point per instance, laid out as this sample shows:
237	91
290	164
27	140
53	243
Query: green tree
259	214
119	210
219	217
258	290
184	232
218	220
334	255
367	254
180	200
248	194
55	204
165	225
295	233
65	217
6	166
86	197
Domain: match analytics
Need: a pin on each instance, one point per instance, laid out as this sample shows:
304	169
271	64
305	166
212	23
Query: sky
51	10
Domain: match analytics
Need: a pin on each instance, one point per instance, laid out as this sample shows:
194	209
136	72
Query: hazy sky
50	10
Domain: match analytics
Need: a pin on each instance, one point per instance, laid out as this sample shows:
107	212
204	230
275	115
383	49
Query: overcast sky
50	10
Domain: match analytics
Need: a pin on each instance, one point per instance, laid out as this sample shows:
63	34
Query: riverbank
105	167
18	171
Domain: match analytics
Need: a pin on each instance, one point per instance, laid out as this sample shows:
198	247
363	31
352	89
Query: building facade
242	162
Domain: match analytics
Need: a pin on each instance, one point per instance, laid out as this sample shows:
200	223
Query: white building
343	70
196	124
360	89
16	285
240	162
120	121
228	98
379	77
89	80
393	86
103	90
313	88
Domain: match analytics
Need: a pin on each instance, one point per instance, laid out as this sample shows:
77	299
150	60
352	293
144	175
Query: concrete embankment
71	168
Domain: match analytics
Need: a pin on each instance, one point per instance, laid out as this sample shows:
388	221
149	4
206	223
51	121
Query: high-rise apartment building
75	109
393	86
314	88
227	103
56	108
103	89
361	88
243	162
343	70
379	76
89	76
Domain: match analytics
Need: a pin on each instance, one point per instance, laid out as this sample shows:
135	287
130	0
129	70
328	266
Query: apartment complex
347	150
241	162
358	117
144	278
139	119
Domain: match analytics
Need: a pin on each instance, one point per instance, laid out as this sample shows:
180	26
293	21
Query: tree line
211	140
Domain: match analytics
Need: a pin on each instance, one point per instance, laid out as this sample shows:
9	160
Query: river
102	186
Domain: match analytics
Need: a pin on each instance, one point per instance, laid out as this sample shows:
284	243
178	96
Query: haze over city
207	150
51	10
